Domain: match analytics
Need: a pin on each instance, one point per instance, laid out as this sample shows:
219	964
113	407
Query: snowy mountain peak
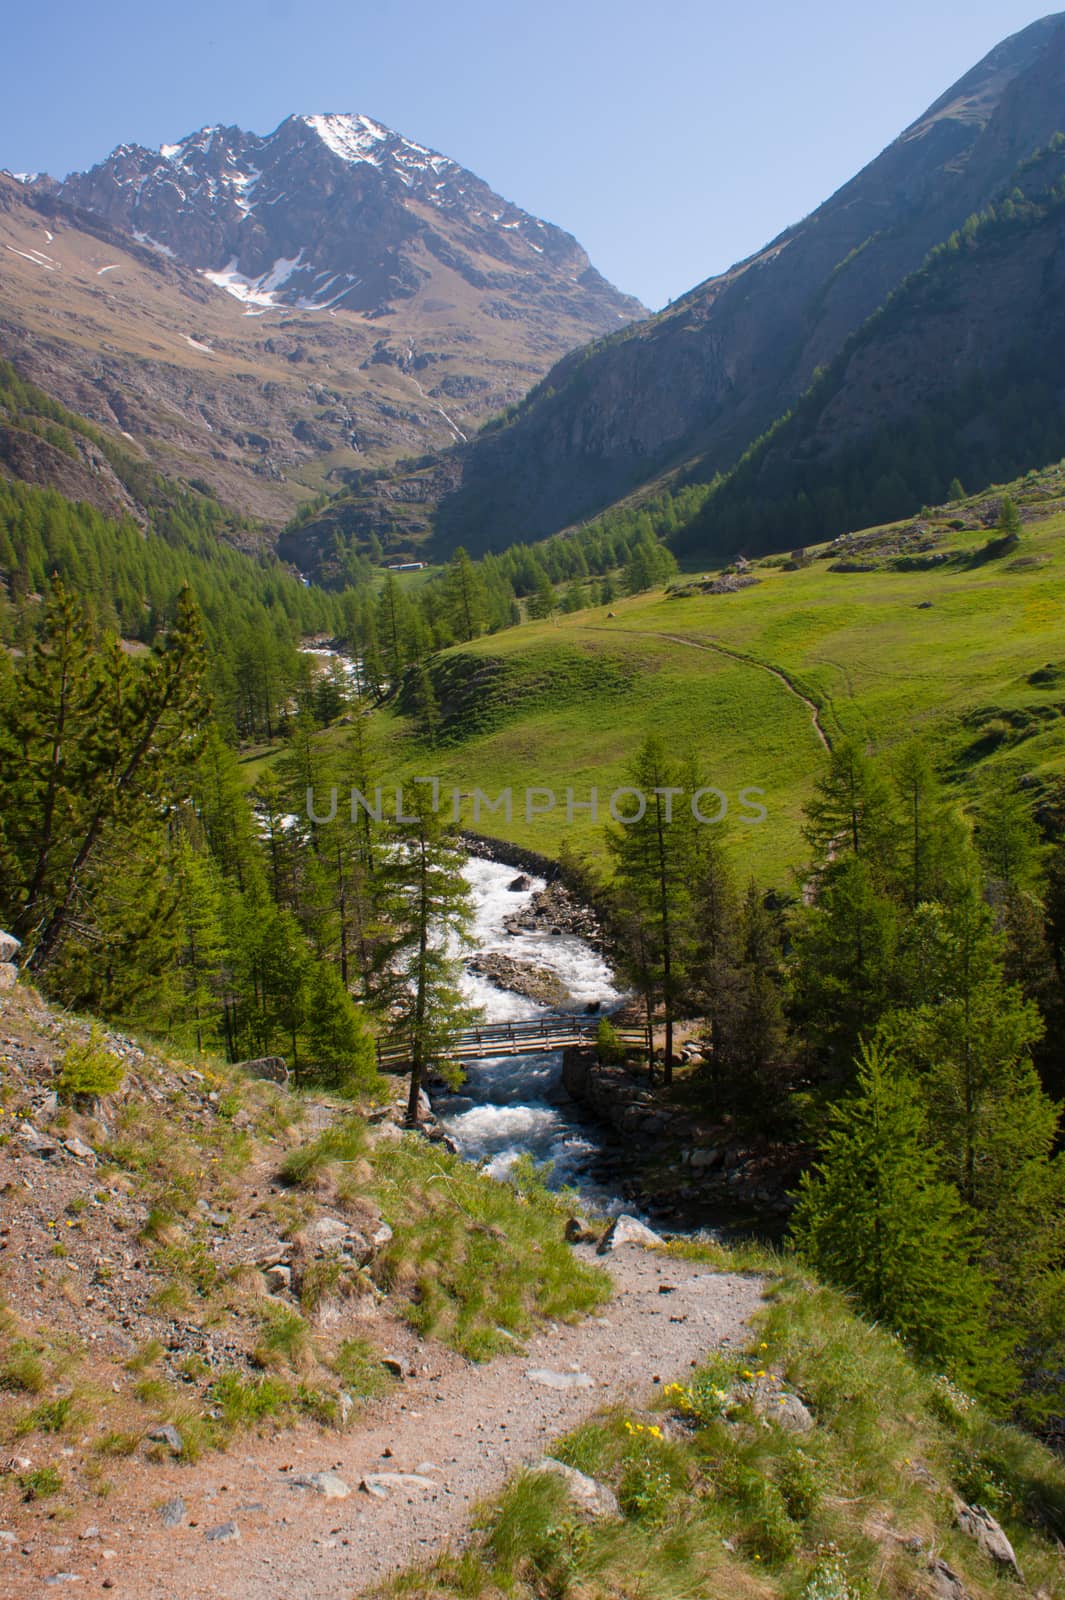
335	210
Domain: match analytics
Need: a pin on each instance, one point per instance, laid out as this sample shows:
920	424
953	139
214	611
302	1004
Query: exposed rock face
337	210
710	373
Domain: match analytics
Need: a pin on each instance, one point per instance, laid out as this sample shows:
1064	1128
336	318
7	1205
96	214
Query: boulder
167	1434
594	1499
328	1484
381	1483
9	947
945	1581
78	1147
980	1525
273	1069
278	1278
628	1230
519	884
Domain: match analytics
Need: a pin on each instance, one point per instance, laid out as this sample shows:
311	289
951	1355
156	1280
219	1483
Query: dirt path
735	655
463	1428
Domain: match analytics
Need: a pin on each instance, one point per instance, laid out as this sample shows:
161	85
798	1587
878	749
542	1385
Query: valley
532	836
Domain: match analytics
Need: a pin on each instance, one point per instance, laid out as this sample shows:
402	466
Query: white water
507	1105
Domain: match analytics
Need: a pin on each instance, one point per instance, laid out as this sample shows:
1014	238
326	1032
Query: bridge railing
508	1038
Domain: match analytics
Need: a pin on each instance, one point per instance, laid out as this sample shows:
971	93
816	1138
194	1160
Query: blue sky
672	139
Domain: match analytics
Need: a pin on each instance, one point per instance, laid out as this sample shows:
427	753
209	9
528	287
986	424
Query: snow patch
259	291
101	270
35	256
350	138
153	244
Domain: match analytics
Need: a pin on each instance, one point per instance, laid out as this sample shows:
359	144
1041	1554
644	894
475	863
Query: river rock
628	1230
520	977
591	1497
520	883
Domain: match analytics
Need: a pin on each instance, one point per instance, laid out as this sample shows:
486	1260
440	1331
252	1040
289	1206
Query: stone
578	1231
393	1365
980	1525
945	1582
559	1380
381	1483
519	884
278	1278
8	980
9	947
595	1499
701	1159
36	1142
167	1434
328	1484
272	1069
778	1406
223	1533
78	1147
325	1234
381	1236
628	1230
173	1513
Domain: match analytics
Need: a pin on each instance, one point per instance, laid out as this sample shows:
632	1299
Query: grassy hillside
939	635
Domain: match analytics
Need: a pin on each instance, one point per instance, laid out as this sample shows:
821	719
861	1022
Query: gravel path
462	1428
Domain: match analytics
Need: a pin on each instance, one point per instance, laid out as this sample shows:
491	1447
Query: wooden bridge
550	1032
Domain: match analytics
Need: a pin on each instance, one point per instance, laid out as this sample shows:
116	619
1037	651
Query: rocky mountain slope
267	314
695	385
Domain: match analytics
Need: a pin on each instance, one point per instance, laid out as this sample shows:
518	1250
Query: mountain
690	389
269	313
339	211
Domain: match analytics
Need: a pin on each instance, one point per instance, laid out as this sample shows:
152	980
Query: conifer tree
875	1218
424	902
657	860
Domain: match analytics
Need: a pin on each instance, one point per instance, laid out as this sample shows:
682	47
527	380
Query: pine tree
424	903
851	813
875	1218
657	859
1009	520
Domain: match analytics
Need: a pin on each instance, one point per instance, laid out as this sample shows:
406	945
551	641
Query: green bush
89	1068
608	1046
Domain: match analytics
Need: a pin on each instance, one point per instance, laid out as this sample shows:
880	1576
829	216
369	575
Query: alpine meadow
532	842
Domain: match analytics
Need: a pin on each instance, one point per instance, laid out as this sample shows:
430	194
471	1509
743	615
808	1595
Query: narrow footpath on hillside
735	655
240	1526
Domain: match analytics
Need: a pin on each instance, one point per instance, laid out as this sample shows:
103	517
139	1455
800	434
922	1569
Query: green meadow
969	653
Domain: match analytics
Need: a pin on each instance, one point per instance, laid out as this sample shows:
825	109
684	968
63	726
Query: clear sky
671	138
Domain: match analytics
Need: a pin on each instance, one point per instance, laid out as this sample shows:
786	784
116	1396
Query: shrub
40	1483
88	1068
608	1046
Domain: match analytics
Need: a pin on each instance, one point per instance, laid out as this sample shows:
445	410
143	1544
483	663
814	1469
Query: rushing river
512	1105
